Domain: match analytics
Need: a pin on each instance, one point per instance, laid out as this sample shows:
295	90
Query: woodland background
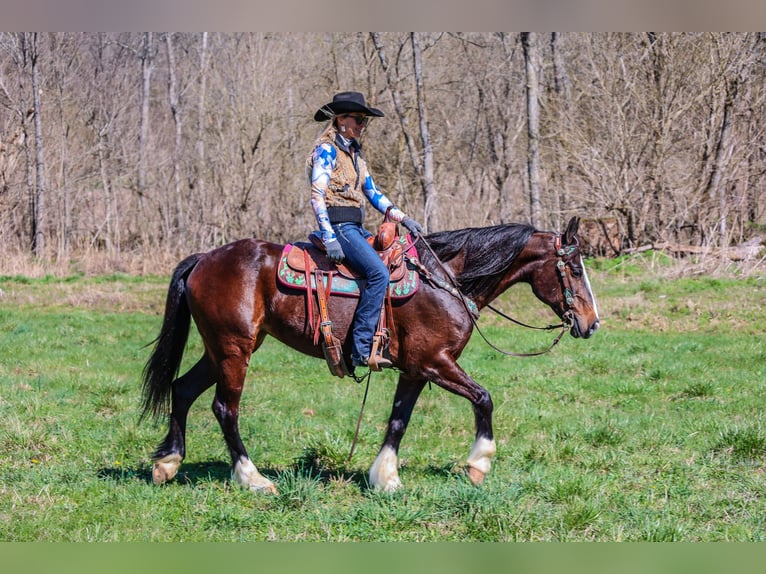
153	145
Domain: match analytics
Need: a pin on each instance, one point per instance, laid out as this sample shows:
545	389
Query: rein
368	376
520	324
473	309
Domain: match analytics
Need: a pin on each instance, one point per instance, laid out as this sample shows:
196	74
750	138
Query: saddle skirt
292	270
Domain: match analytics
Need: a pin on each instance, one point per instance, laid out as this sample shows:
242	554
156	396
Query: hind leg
384	473
226	409
172	450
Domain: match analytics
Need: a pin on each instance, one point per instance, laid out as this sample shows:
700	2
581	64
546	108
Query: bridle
566	282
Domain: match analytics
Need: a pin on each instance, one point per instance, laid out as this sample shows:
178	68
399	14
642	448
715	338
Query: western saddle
306	266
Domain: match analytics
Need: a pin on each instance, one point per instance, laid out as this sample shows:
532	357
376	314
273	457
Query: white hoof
384	473
480	460
247	476
165	468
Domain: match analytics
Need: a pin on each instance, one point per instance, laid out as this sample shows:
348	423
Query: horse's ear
571	232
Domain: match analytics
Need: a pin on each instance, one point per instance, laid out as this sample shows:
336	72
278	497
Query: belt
345	214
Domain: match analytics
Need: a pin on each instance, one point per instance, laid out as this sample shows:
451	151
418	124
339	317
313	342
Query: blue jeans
364	260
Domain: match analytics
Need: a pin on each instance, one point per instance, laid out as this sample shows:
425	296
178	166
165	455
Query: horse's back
229	283
236	260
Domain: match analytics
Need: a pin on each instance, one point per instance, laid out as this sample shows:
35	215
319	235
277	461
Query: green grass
653	430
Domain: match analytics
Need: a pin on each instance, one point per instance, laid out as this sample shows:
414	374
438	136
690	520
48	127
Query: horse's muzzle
577	332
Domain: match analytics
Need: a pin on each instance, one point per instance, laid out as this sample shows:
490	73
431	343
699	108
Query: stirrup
377	361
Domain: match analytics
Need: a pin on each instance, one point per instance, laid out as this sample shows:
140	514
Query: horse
232	295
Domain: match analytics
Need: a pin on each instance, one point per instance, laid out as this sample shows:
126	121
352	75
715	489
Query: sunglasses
360	120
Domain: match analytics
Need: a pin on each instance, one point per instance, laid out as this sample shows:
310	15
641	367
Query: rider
339	183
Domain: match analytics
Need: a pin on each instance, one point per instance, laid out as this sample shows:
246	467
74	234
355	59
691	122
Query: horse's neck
536	253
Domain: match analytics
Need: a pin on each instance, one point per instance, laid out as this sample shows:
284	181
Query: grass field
653	430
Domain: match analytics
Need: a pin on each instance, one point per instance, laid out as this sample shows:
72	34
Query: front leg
384	473
480	458
450	376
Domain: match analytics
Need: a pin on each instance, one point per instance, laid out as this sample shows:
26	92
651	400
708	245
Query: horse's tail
164	362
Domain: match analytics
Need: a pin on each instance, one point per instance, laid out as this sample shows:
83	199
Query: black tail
162	367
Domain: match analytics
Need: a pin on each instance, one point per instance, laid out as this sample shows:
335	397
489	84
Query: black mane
489	251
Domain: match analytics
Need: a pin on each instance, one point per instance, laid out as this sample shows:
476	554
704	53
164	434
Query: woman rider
340	182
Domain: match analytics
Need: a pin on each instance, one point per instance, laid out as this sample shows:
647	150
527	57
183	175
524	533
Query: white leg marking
480	459
384	473
165	468
247	476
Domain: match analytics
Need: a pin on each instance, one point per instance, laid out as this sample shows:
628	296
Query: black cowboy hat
344	103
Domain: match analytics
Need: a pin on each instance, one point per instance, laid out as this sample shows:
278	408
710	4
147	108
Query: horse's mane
488	252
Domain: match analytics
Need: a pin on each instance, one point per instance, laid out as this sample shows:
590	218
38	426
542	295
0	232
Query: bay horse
235	300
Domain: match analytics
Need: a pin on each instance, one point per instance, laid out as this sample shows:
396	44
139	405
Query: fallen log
743	252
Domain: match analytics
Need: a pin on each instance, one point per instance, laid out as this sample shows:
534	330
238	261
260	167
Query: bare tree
200	171
177	115
392	83
63	68
735	61
532	65
39	215
561	102
147	67
427	174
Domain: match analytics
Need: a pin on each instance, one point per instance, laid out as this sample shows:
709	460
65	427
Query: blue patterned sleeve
379	200
323	164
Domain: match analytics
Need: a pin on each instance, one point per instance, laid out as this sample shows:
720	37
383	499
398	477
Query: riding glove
413	226
334	251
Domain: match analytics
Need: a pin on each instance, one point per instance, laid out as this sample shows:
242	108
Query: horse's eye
576	270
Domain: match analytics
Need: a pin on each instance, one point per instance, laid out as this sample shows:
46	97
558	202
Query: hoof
268	488
165	468
476	476
384	475
247	476
392	485
480	459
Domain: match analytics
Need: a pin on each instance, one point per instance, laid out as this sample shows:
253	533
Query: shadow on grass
190	473
326	475
327	463
450	470
194	473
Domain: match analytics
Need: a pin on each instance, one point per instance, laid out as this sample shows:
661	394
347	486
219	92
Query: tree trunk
531	60
147	67
178	125
391	84
200	142
427	175
39	230
715	188
562	89
65	210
